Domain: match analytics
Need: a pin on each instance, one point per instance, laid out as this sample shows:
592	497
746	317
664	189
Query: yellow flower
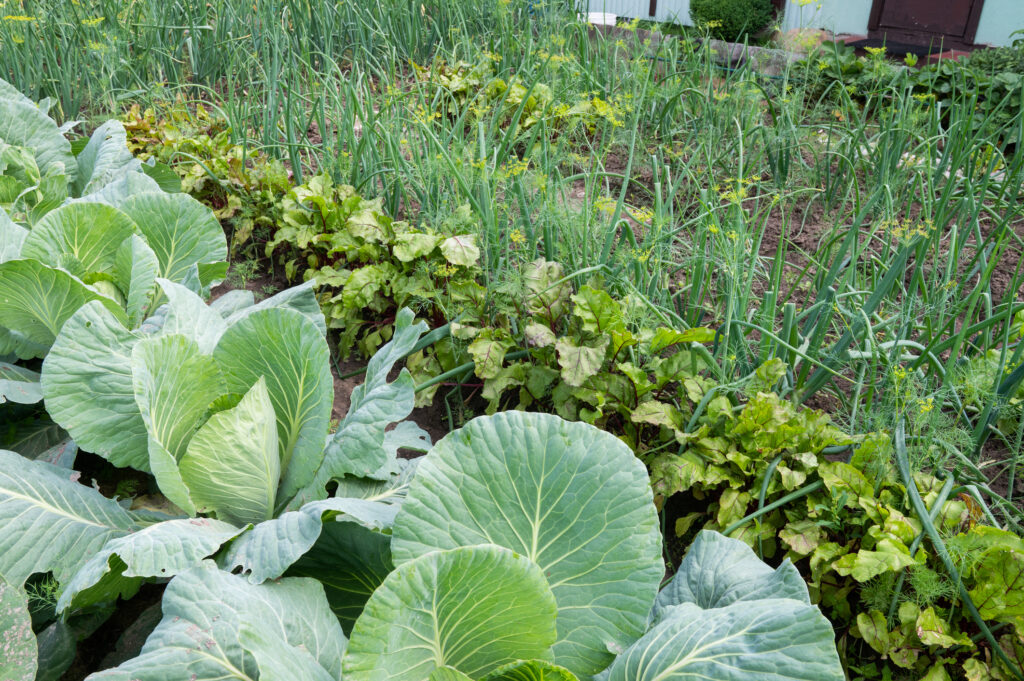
96	21
925	406
643	215
642	255
606	205
517	168
516	236
18	17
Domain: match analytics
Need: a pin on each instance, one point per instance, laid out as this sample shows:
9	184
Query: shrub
730	20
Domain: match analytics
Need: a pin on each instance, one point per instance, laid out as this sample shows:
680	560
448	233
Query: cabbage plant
83	223
521	546
527	547
227	406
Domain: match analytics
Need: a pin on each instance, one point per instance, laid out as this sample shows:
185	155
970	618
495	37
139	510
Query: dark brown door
924	22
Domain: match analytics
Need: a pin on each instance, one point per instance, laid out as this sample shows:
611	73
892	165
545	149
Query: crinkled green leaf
572	498
548	295
802	536
87	385
488	352
216	625
288	350
999	585
580	362
597	310
664	338
233	466
874	630
474	609
718	571
412	245
17	643
51	523
161	550
540	336
932	630
888	556
776	639
363	285
461	250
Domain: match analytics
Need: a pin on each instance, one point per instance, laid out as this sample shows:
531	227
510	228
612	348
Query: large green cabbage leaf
80	237
232	465
18	660
87	385
570	497
287	350
769	639
473	609
219	626
727	616
36	300
159	551
50	522
105	158
180	230
718	571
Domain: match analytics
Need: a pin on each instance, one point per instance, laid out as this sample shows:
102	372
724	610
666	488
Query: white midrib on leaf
58	511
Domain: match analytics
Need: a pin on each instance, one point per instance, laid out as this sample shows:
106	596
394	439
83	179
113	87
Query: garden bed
786	308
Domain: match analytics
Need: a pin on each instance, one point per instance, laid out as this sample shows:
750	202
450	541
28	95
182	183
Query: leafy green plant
850	528
365	265
479	94
227	407
80	224
228	402
239	183
731	20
